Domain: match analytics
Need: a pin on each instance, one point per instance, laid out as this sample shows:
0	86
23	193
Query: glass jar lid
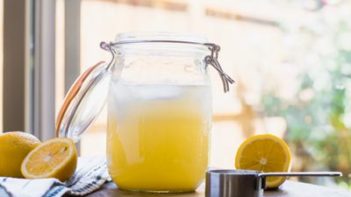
83	102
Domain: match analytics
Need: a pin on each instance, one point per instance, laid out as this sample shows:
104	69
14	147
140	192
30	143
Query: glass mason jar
159	115
159	109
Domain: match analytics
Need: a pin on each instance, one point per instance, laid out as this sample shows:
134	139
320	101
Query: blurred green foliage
319	114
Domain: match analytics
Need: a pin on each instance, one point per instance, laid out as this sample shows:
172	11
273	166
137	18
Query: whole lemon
14	147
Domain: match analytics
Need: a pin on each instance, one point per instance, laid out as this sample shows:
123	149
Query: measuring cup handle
289	174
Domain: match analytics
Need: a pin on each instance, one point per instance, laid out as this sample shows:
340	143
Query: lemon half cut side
56	158
264	153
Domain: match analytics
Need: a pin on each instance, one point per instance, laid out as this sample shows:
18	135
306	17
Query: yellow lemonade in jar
158	136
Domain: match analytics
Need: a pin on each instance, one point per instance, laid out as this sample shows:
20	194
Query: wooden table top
288	189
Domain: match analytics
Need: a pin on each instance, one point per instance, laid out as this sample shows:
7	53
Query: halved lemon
264	153
56	158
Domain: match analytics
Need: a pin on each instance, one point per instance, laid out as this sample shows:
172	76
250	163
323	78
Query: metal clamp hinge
213	60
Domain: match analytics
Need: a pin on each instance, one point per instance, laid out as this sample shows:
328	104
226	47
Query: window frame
29	67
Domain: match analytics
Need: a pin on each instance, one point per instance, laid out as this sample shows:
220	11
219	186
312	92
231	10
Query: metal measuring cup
246	183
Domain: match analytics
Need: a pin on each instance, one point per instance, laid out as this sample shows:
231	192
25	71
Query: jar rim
160	36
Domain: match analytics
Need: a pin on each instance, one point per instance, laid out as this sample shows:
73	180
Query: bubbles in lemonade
158	136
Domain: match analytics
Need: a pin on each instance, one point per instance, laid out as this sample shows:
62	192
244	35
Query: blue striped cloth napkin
90	175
